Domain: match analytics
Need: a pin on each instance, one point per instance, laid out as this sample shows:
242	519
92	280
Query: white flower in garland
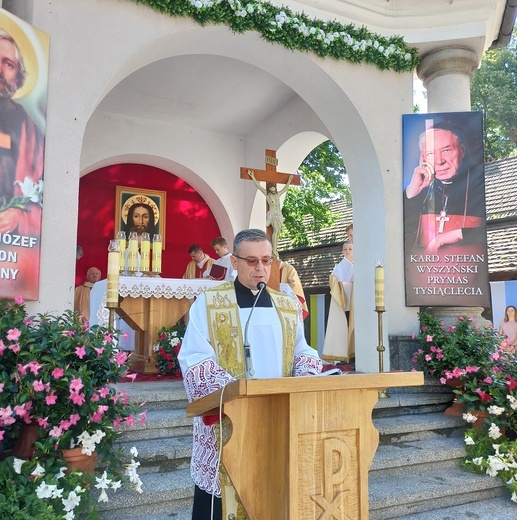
494	432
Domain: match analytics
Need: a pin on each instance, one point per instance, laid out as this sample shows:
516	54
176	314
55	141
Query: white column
446	74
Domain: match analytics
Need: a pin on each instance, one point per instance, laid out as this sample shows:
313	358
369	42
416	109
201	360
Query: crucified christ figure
274	216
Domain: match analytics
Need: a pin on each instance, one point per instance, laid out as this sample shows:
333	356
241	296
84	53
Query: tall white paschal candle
113	273
379	288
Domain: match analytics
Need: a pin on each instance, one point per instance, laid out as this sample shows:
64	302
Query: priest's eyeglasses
252	261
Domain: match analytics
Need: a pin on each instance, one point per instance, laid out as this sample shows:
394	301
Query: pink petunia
121	357
34	367
43	421
80	352
51	399
57	372
13	334
76	385
18	300
55	432
77	398
15	348
39	386
74	419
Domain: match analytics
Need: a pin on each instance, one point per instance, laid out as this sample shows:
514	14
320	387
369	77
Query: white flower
514	497
116	485
61	473
469	441
17	465
494	432
44	490
495	410
103	496
103	482
71	502
70	515
39	471
134	451
477	461
31	190
469	417
97	436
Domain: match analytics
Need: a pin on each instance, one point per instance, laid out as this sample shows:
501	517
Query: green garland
296	31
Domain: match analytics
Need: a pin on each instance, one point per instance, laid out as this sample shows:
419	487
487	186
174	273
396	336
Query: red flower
512	384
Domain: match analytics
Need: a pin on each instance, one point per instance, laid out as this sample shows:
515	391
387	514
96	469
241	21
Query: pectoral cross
442	219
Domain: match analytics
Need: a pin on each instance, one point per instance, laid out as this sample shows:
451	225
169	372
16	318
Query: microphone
247	352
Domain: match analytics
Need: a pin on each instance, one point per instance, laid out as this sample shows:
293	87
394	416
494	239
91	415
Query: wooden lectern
301	447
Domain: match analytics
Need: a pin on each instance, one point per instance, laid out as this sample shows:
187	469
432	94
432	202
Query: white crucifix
442	219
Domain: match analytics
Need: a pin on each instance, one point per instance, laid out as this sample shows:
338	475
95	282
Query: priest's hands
423	176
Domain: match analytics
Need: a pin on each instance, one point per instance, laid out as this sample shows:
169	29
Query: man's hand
443	239
9	219
423	176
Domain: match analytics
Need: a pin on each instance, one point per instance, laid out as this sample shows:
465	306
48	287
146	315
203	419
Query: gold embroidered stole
226	339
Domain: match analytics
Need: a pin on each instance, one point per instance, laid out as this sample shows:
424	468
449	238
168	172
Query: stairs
415	473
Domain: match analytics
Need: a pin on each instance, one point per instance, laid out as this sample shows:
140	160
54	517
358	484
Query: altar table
148	304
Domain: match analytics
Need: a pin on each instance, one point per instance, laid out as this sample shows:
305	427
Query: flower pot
24	447
455	409
76	459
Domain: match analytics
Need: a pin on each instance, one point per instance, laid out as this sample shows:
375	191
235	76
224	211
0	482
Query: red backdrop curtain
189	220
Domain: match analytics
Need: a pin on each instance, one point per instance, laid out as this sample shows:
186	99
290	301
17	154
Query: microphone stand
247	351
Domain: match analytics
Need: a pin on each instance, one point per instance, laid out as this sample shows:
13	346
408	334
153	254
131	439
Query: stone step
411	403
420	491
161	455
407	457
164	493
156	395
405	428
499	508
160	423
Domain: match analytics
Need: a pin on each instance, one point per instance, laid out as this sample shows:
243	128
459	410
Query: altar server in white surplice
339	337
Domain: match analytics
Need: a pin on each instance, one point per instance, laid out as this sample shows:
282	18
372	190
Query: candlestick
121	239
379	286
381	348
145	253
113	274
157	255
132	256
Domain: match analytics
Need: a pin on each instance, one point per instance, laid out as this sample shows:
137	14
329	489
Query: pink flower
21	410
2	387
69	333
96	417
22	369
2	347
130	420
121	357
13	334
117	422
143	417
18	300
108	338
487	380
413	336
39	386
429	338
483	395
80	352
65	425
15	348
76	385
55	432
125	335
74	419
5	413
104	391
57	372
34	367
77	398
43	422
51	399
99	351
94	398
471	370
428	357
2	432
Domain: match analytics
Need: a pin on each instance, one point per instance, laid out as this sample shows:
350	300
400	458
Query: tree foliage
494	92
306	208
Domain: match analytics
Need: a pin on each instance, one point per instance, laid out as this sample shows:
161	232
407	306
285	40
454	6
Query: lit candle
121	239
113	273
379	287
157	254
145	250
132	256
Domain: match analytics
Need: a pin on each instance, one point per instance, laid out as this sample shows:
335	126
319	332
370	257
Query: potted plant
167	348
56	380
451	353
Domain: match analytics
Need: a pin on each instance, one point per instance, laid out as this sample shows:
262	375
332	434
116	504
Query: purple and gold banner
24	53
445	246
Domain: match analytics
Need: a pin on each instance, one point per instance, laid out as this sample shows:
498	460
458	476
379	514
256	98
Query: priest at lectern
237	329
